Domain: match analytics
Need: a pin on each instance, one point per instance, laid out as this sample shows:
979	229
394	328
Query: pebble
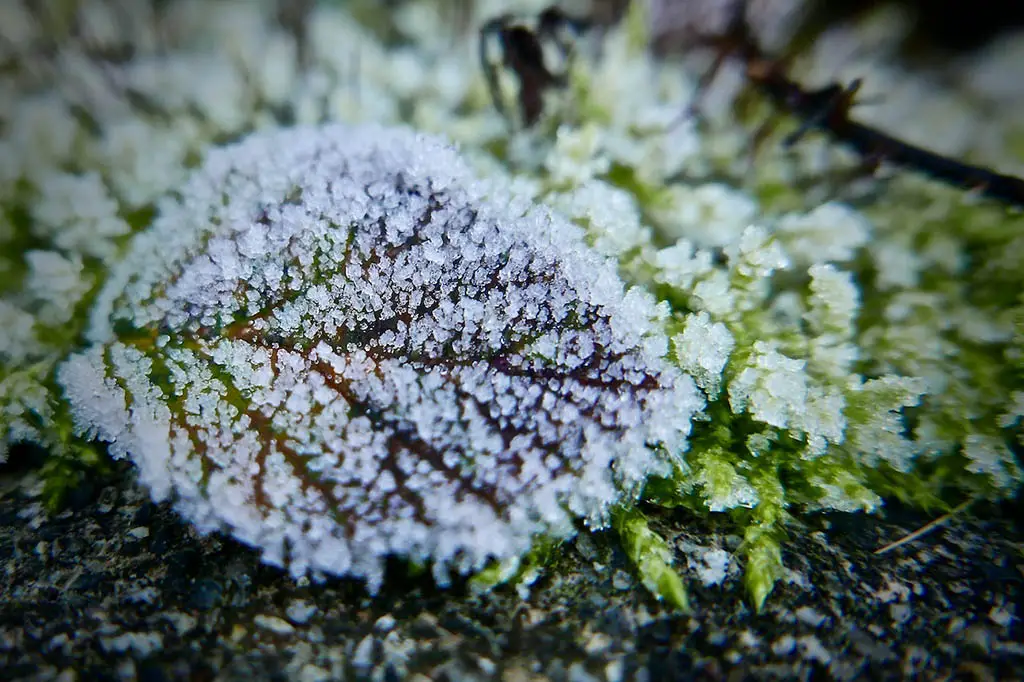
621	580
363	657
300	611
312	673
277	625
808	616
384	623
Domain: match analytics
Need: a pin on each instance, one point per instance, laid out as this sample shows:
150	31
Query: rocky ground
119	588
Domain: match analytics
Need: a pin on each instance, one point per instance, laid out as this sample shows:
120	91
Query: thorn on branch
827	110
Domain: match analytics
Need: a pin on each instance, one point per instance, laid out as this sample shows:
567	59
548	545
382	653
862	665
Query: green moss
652	557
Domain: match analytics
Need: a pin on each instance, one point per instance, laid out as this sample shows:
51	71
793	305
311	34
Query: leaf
340	345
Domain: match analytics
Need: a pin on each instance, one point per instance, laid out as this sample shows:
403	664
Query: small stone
614	671
585	546
300	611
144	595
621	580
784	645
578	673
516	674
58	642
126	670
312	673
384	623
749	640
813	650
808	616
900	613
597	643
205	594
142	643
1001	617
181	622
276	625
487	666
643	617
139	532
980	637
363	657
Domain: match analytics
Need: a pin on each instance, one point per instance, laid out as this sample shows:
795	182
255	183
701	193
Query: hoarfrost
339	345
703	350
830	232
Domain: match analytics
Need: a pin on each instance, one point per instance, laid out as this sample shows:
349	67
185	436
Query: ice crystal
703	351
337	343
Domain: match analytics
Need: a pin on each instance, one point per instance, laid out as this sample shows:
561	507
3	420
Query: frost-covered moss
853	341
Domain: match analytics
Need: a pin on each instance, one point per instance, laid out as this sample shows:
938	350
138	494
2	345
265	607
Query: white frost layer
338	344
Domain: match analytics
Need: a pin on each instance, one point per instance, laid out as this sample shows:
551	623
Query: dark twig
294	16
519	47
827	110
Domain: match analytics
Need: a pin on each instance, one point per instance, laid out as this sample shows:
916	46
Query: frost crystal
337	343
831	232
703	350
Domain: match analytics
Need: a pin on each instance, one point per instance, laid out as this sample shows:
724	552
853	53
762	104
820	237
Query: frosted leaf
18	340
18	29
24	402
703	350
830	358
991	456
723	486
834	304
681	264
716	295
897	263
776	390
755	254
576	156
834	301
142	160
338	344
78	214
708	215
977	325
830	232
821	420
1015	413
610	215
842	491
42	131
761	443
652	141
55	284
876	427
773	387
